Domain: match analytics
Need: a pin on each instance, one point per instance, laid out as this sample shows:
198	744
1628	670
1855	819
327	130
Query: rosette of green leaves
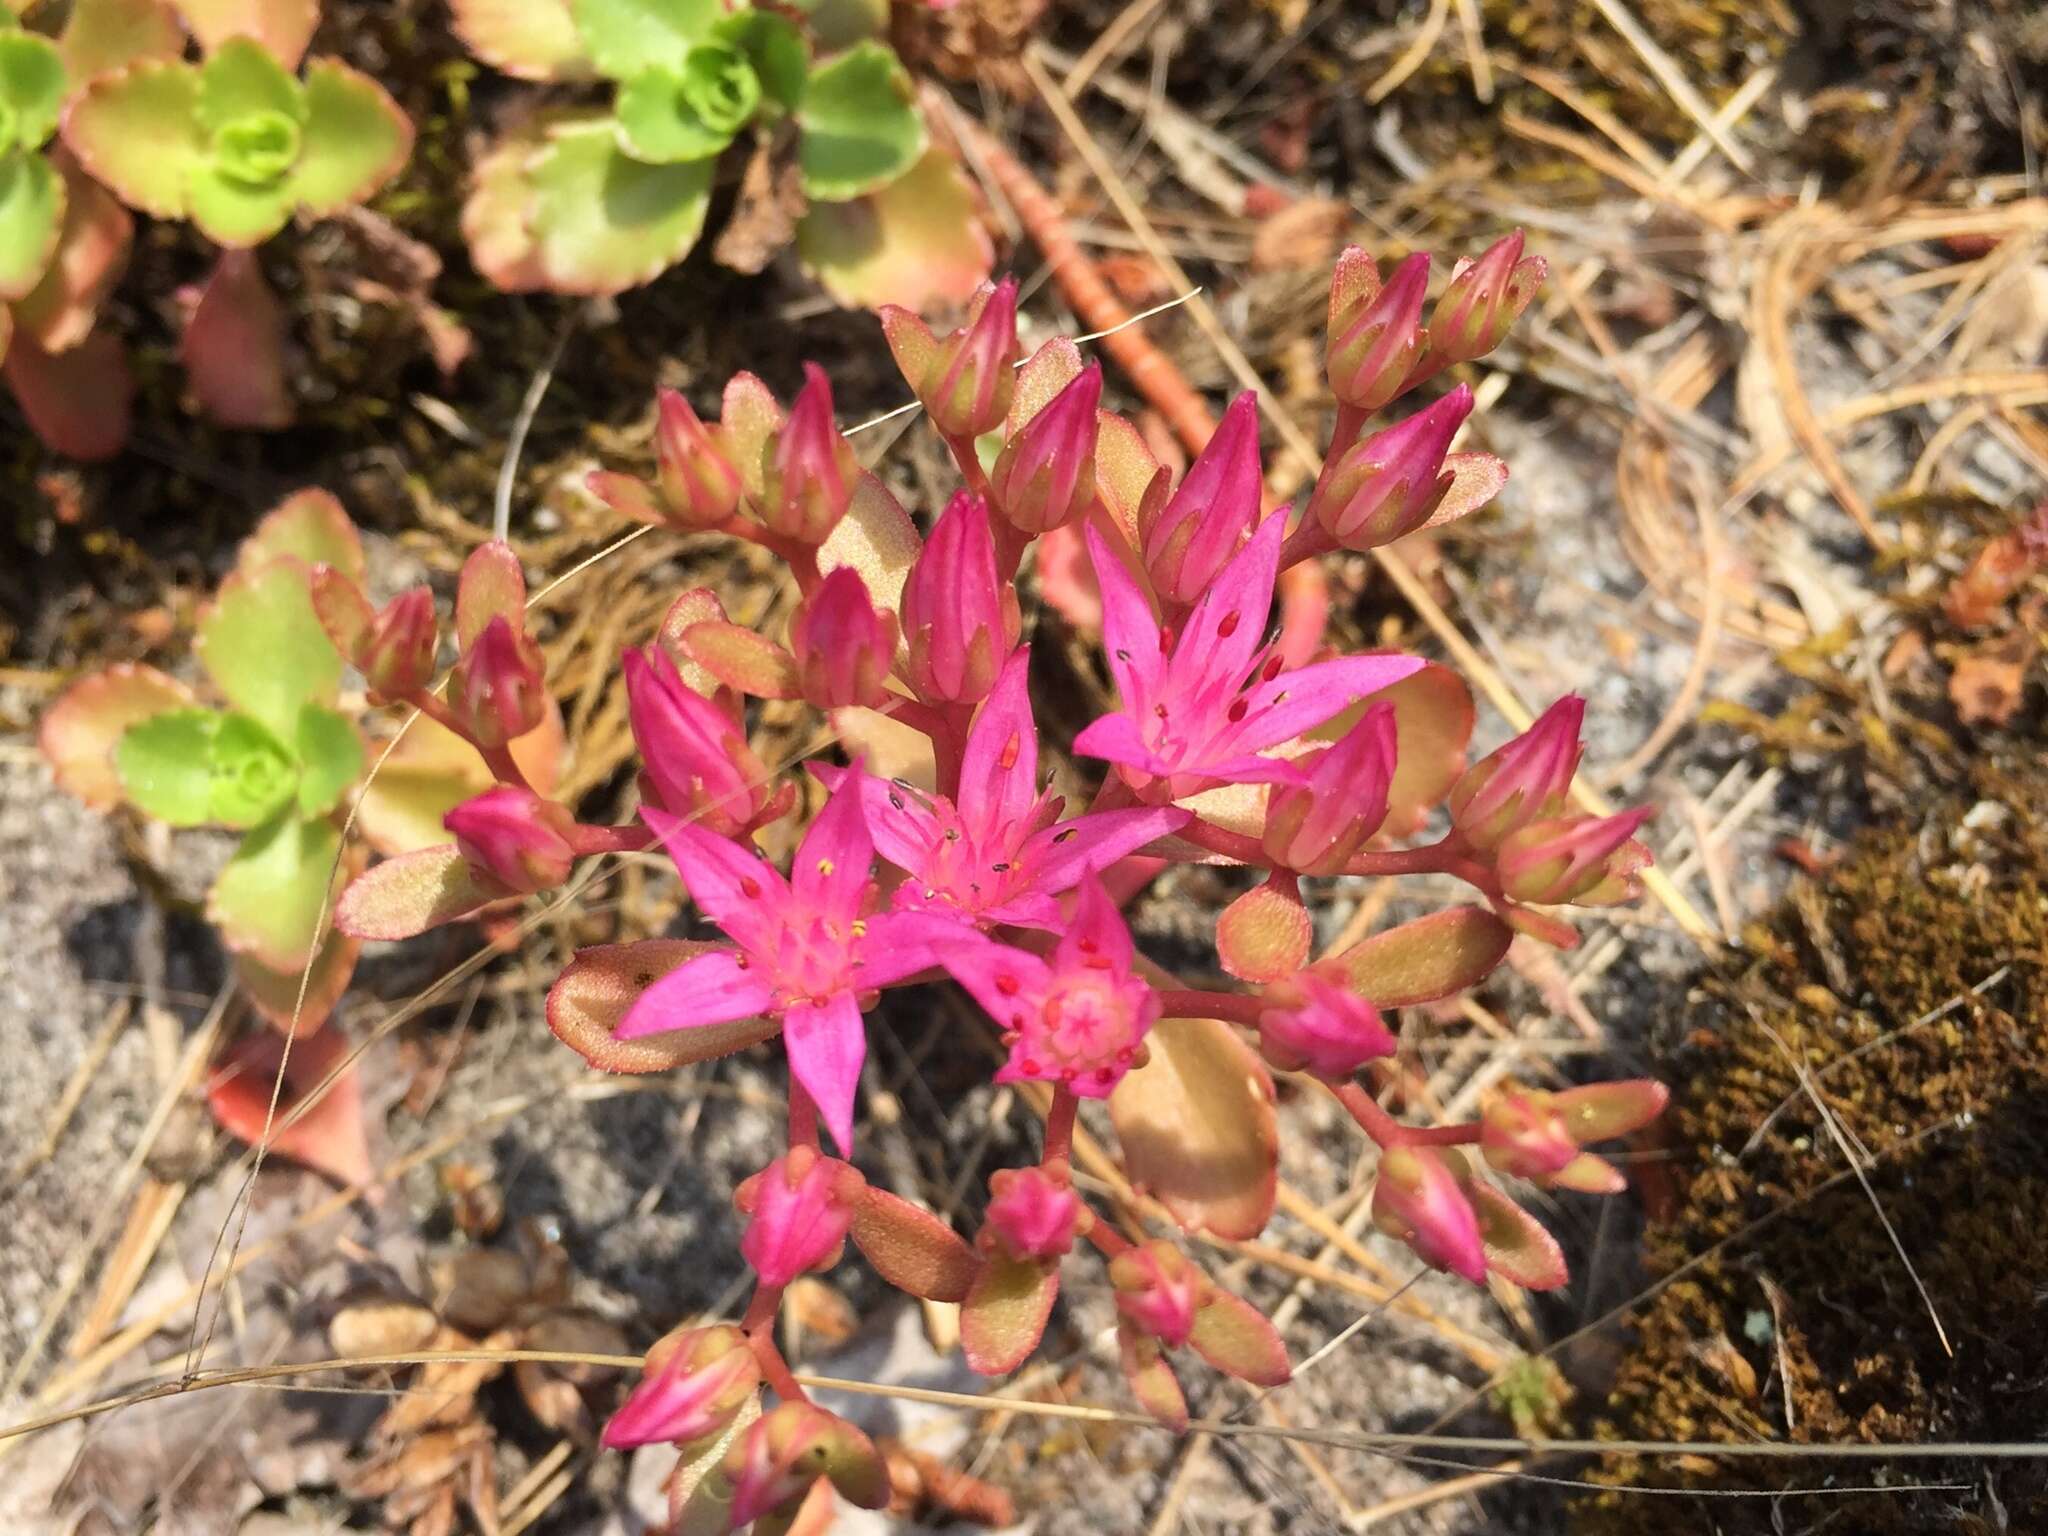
237	143
32	89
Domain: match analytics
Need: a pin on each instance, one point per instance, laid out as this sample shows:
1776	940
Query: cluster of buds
1164	1301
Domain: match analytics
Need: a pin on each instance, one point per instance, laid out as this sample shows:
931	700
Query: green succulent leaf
165	765
919	242
330	757
32	89
861	128
32	201
267	900
659	117
265	650
253	773
627	37
604	222
357	137
309	526
138	131
774	46
534	39
243	90
105	35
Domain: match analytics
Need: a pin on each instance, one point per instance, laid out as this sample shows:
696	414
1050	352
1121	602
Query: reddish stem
1107	1240
759	1325
1059	1125
1238	1007
1350	422
803	1116
1232	845
969	463
1389	1132
587	839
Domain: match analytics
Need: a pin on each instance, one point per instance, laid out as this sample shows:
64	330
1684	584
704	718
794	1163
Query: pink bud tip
1205	522
396	656
800	1207
1312	1024
1386	487
700	488
695	760
1524	1133
1045	475
1031	1214
959	620
1158	1290
1484	299
969	383
496	692
1316	828
693	1383
514	836
1523	781
1374	344
1419	1198
844	647
812	471
1590	860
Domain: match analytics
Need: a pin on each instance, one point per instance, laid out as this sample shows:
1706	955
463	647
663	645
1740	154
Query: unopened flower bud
695	758
844	647
1483	301
700	487
1309	1023
1045	475
968	386
1523	1133
1315	828
1542	1136
811	469
1386	486
515	837
1419	1199
1587	860
1205	521
693	1383
1524	781
393	647
1158	1289
799	1208
786	1450
960	621
497	692
1032	1215
1374	342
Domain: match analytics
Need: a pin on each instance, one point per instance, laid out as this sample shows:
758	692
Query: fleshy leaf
591	998
699	1488
275	994
911	1248
310	526
698	605
918	242
78	402
1476	478
1264	934
742	659
432	770
31	220
264	648
494	223
408	895
356	139
877	538
106	35
32	88
164	766
776	50
253	773
1129	478
137	130
268	899
283	27
330	758
1197	1128
657	123
92	246
241	80
1427	959
603	222
1518	1247
233	348
329	1137
1235	1337
533	39
1433	719
492	586
1004	1315
80	730
861	127
1151	1379
625	37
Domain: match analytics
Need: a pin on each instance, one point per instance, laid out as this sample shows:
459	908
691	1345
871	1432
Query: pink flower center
1089	1025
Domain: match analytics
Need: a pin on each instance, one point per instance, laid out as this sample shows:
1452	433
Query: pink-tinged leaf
408	895
494	217
91	251
79	731
1590	1175
275	993
492	586
1152	1380
749	418
602	222
78	402
877	539
1005	1311
1354	284
1476	478
268	899
1433	719
1543	927
309	526
1197	1128
432	770
699	605
1601	1111
911	1248
1264	934
1430	958
233	348
106	35
329	1136
743	660
283	27
533	39
1518	1247
356	139
1131	482
1235	1337
1066	579
918	242
137	130
1045	373
594	993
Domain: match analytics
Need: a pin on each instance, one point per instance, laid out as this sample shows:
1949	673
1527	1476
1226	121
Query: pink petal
999	773
1130	632
711	989
738	890
830	872
900	944
1115	739
827	1043
1229	624
1097	932
901	821
1294	701
1009	983
1054	859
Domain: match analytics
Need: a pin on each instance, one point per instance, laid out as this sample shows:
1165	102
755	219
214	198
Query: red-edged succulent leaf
1543	927
592	995
742	659
1600	1111
1433	719
1005	1311
268	899
80	730
1427	959
91	251
601	222
275	993
283	27
492	586
699	605
234	346
105	35
32	198
533	39
918	242
1235	1337
1264	934
137	130
1518	1248
329	1137
1197	1128
1130	481
408	895
1152	1380
309	526
1045	373
877	539
911	1248
494	217
432	770
1476	478
356	139
78	402
263	646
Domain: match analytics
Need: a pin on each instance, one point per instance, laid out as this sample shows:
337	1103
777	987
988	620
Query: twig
1674	81
522	423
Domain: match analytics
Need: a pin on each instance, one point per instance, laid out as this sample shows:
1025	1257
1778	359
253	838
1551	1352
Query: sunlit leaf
283	27
1197	1129
1427	959
329	1135
918	242
309	526
911	1248
32	88
592	995
861	127
602	222
31	219
494	217
268	899
1235	1337
406	896
356	139
1004	1315
877	539
92	245
105	35
254	774
79	731
265	650
432	770
165	766
330	757
534	39
1264	934
1518	1247
275	993
625	37
137	130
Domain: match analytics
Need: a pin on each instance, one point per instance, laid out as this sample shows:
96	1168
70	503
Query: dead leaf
1301	237
764	220
1987	690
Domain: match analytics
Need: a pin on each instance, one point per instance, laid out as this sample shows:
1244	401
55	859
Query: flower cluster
1222	744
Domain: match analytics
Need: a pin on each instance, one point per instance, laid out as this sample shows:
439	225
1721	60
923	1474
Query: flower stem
586	839
803	1116
1389	1132
759	1324
1059	1124
1232	845
1238	1007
